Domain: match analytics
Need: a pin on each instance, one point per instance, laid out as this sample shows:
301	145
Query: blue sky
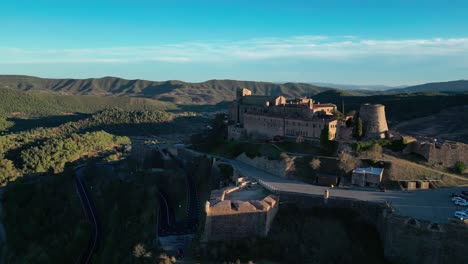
353	42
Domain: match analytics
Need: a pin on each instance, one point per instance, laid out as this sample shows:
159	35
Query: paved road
433	205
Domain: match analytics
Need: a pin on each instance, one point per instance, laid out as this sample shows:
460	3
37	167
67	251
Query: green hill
178	92
42	104
400	107
459	86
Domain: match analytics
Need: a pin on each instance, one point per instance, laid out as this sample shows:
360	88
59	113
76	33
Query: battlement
239	212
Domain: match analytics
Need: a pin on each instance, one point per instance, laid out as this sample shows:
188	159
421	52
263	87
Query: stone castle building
270	116
239	212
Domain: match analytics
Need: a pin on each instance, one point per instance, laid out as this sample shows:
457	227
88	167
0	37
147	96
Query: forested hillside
43	104
44	149
399	107
177	92
459	86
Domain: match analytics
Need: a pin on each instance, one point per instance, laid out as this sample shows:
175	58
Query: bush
459	167
394	145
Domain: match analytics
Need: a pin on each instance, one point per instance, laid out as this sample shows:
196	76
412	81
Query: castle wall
404	240
235	133
250	219
446	153
263	126
233	111
270	126
276	167
236	226
309	128
374	120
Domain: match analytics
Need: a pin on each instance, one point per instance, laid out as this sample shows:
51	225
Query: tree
324	137
339	115
5	124
8	172
139	251
358	131
299	139
375	151
347	162
350	122
459	167
315	164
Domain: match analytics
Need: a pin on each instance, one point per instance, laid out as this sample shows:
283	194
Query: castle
238	212
270	116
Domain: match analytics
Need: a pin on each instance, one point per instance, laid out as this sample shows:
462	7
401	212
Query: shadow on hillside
203	108
179	125
22	124
161	88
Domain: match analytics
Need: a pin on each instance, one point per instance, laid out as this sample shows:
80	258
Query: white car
461	215
461	202
457	198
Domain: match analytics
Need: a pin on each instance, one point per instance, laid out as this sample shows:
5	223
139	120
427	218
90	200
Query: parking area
433	205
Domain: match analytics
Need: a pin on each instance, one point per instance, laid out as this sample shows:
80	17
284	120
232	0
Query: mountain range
208	92
177	92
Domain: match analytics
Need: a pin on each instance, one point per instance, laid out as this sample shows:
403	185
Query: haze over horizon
356	42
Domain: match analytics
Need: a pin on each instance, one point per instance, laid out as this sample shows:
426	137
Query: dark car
461	195
465	193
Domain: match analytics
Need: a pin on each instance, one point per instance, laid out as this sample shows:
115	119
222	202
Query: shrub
459	167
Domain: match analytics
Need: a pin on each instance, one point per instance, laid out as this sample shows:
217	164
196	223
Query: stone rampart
276	167
405	240
235	219
446	153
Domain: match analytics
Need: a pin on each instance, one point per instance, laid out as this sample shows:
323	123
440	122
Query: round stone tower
374	121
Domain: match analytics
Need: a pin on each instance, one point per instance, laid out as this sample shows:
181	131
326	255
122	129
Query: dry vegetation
403	170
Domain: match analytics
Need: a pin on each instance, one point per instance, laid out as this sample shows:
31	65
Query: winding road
90	211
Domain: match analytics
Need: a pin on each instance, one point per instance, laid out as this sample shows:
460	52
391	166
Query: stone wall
446	153
235	133
265	126
405	240
276	167
239	225
231	220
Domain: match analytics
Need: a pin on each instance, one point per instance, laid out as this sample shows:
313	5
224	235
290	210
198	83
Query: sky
351	42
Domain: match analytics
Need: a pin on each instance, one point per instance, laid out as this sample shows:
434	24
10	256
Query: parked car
461	202
461	215
457	199
465	193
459	195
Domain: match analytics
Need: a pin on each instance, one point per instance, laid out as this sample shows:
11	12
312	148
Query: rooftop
369	170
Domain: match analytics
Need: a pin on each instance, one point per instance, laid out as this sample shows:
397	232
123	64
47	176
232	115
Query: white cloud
304	47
